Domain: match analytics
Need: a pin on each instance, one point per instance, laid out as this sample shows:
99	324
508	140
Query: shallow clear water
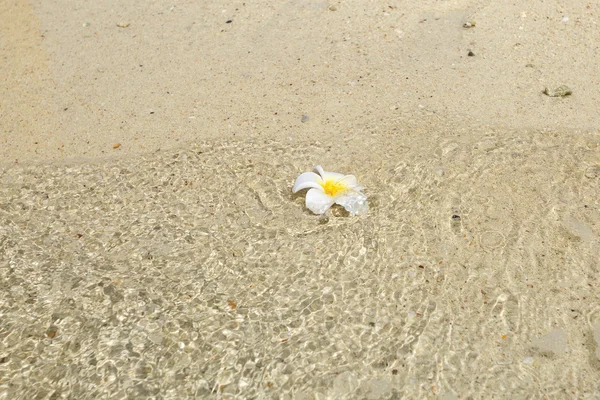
195	272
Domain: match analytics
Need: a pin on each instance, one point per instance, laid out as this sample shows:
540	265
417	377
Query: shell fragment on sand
561	91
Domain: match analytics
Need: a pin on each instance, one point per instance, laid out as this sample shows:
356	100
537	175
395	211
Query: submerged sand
195	272
179	264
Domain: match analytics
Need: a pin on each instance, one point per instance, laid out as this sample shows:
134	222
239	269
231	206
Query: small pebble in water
471	54
553	343
304	118
123	24
593	172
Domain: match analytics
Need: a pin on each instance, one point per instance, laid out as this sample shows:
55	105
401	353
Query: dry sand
150	246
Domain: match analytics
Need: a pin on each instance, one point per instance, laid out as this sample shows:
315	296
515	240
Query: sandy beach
151	246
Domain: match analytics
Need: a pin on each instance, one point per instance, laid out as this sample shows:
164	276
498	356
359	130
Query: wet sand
179	265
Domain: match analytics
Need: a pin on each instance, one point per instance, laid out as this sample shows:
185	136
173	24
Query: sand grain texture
150	246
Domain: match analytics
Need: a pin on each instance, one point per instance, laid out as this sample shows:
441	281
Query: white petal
307	180
319	169
350	181
333	176
317	201
354	202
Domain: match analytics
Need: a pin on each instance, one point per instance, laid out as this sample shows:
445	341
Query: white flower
328	188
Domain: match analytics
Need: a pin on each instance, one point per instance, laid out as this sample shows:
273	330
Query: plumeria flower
328	188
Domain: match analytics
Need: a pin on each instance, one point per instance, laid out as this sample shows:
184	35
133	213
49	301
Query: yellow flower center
333	188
